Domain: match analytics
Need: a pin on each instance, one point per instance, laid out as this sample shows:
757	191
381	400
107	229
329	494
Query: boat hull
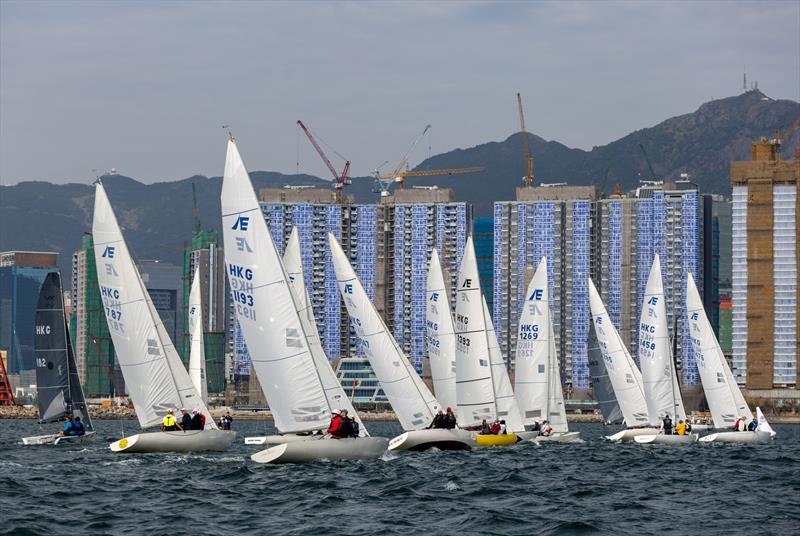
702	427
434	438
629	434
499	440
190	441
737	437
277	439
661	439
57	439
364	448
564	437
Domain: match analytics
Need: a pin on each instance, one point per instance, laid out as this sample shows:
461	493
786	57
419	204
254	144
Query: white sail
412	401
538	378
763	425
475	392
155	377
441	337
337	399
265	308
625	377
725	400
197	352
505	401
659	380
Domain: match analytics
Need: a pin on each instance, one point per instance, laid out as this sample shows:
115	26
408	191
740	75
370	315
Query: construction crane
195	212
400	177
604	182
340	179
649	165
781	138
523	136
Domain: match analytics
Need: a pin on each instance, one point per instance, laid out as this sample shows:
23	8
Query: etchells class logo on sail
108	253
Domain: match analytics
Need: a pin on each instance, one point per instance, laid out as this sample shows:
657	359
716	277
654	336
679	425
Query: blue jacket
69	428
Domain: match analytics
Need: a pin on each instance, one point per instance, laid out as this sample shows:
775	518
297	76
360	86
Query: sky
145	87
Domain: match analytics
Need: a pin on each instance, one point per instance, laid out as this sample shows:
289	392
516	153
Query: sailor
495	428
449	419
667	425
438	421
536	426
226	421
69	427
503	429
346	428
485	428
198	420
186	420
169	424
680	428
753	426
77	427
546	429
688	426
742	425
336	423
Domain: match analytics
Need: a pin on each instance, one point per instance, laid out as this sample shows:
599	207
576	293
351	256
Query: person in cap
168	424
336	423
346	428
449	419
198	420
69	427
186	420
438	420
546	429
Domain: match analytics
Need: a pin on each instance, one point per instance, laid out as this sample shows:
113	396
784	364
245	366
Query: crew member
667	425
495	428
77	427
198	420
450	419
485	428
438	421
186	419
346	428
69	427
226	421
169	424
336	423
546	429
680	428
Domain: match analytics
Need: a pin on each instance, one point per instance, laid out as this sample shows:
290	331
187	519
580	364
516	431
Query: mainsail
601	384
538	378
412	401
197	353
475	390
507	405
724	398
293	263
266	309
155	376
625	377
659	380
441	338
58	386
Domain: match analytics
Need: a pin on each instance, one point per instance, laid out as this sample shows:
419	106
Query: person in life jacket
168	423
347	427
336	423
503	429
680	428
449	419
667	423
485	428
495	428
198	420
437	422
69	428
742	425
77	427
186	419
753	426
546	429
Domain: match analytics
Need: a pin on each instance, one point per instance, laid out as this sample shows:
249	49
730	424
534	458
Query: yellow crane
523	135
400	177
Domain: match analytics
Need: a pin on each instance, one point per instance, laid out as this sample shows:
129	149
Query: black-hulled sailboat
58	386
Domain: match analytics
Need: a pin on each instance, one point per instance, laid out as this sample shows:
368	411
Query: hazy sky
144	87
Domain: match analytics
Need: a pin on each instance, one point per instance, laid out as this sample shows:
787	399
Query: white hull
436	437
56	439
278	439
563	437
661	439
702	427
191	441
630	433
737	437
527	435
363	448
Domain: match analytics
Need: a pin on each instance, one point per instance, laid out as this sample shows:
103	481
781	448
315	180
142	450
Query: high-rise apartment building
483	238
163	283
766	224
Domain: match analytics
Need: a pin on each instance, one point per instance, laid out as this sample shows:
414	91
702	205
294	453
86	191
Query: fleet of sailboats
468	371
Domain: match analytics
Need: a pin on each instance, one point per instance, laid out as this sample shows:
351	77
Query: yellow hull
496	440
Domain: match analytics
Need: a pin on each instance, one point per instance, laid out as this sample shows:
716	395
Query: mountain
157	218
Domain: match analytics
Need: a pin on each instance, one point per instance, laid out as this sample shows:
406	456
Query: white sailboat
155	376
625	377
276	337
538	378
441	337
412	401
337	399
197	351
662	392
723	395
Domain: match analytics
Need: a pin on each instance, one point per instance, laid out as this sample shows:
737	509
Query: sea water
589	488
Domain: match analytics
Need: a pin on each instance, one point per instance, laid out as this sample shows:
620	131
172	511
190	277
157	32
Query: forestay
538	378
625	377
725	400
155	377
475	391
197	352
659	381
412	401
505	401
265	308
441	337
293	264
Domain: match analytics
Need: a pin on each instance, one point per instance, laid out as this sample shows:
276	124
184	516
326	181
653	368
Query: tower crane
340	179
523	136
649	165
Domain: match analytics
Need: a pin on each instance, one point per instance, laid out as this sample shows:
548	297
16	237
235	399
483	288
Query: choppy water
594	487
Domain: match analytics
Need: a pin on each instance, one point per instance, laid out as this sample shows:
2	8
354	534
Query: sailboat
412	401
441	337
538	378
662	393
626	380
601	384
723	395
483	390
197	352
279	346
337	399
155	376
58	387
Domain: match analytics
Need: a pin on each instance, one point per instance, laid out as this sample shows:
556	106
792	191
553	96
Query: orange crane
523	135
